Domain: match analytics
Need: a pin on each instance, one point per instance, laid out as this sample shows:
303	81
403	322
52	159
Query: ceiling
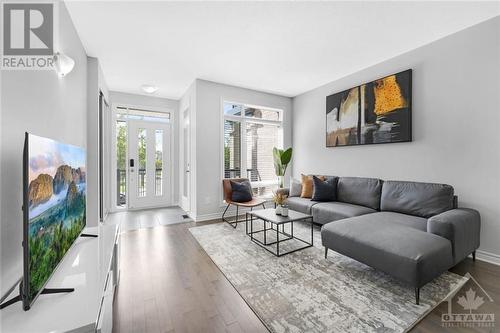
285	48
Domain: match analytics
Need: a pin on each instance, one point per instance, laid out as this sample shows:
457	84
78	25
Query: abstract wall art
374	112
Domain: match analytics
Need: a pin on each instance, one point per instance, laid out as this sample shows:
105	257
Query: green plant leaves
281	160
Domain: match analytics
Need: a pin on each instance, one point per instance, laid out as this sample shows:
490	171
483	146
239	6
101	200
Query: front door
149	164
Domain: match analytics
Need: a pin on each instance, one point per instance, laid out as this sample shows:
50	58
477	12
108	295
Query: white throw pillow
295	187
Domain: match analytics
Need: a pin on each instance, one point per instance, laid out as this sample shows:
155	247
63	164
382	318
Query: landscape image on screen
56	205
374	112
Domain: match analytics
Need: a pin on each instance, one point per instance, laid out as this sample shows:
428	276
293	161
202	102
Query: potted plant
279	199
281	160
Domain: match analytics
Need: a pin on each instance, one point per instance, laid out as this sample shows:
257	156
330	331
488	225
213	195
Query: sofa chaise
409	230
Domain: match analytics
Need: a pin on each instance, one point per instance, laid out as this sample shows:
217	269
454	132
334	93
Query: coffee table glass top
269	215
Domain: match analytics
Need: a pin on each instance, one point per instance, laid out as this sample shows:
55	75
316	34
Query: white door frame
185	159
112	174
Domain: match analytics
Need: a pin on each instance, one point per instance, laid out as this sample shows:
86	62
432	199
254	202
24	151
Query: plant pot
278	209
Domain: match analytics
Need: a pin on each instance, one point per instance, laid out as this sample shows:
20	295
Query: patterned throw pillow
324	190
295	187
241	191
307	186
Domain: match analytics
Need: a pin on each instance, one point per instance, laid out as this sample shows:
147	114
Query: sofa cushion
325	212
324	190
419	199
299	204
408	254
295	187
360	191
307	185
411	221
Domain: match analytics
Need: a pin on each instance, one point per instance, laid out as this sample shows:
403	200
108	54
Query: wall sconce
63	64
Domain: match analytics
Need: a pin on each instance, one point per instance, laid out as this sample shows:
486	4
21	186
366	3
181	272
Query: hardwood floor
169	284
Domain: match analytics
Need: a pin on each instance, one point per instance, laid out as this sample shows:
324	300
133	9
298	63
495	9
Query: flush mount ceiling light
63	64
149	89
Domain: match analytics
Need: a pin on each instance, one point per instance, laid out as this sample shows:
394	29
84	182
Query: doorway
185	161
144	163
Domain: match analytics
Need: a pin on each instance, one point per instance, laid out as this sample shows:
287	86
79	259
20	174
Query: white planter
284	211
278	209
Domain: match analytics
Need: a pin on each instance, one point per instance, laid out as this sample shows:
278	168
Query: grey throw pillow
295	187
241	191
324	190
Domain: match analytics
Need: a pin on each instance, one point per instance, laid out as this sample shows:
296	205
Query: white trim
231	212
488	257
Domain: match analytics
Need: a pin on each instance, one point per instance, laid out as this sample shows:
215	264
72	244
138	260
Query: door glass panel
232	149
141	150
121	163
159	162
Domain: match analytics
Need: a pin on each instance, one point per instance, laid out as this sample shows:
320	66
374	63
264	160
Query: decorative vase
284	211
281	181
278	209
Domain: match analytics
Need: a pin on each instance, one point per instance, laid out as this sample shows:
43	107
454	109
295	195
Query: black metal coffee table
275	221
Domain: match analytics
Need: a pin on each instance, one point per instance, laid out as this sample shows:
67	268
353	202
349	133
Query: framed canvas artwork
372	113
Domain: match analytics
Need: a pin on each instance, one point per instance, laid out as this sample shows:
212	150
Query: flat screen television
54	195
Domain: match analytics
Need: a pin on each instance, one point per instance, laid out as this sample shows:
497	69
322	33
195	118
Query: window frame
244	120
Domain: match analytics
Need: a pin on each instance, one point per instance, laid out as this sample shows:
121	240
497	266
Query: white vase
284	211
278	209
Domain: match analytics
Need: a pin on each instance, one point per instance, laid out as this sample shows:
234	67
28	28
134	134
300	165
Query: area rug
303	292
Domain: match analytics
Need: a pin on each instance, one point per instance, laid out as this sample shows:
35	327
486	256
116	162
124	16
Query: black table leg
312	233
265	232
251	227
277	241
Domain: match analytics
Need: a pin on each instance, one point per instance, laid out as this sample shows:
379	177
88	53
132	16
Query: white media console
92	267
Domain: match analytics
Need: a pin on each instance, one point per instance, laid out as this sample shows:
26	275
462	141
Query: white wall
95	84
126	99
188	101
208	124
456	117
43	104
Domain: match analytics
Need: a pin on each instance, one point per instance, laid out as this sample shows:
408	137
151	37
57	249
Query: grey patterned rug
303	292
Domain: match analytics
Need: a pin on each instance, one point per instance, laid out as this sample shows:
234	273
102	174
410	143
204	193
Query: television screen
54	201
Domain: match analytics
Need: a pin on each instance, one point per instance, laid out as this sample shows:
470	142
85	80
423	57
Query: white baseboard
489	257
231	212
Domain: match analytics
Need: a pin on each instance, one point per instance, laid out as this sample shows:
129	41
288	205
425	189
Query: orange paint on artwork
388	96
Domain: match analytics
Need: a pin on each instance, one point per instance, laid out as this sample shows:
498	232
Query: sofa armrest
461	226
285	191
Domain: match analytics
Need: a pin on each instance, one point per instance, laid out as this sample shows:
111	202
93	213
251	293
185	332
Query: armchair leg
474	256
326	252
417	296
231	223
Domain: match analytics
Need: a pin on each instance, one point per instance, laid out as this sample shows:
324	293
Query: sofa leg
417	296
326	252
474	256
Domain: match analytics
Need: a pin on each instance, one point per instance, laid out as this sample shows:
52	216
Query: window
250	134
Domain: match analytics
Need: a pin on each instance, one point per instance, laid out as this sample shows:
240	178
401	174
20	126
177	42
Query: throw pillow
324	190
241	191
295	187
307	186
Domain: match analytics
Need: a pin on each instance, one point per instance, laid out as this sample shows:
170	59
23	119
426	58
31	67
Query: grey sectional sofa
412	231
